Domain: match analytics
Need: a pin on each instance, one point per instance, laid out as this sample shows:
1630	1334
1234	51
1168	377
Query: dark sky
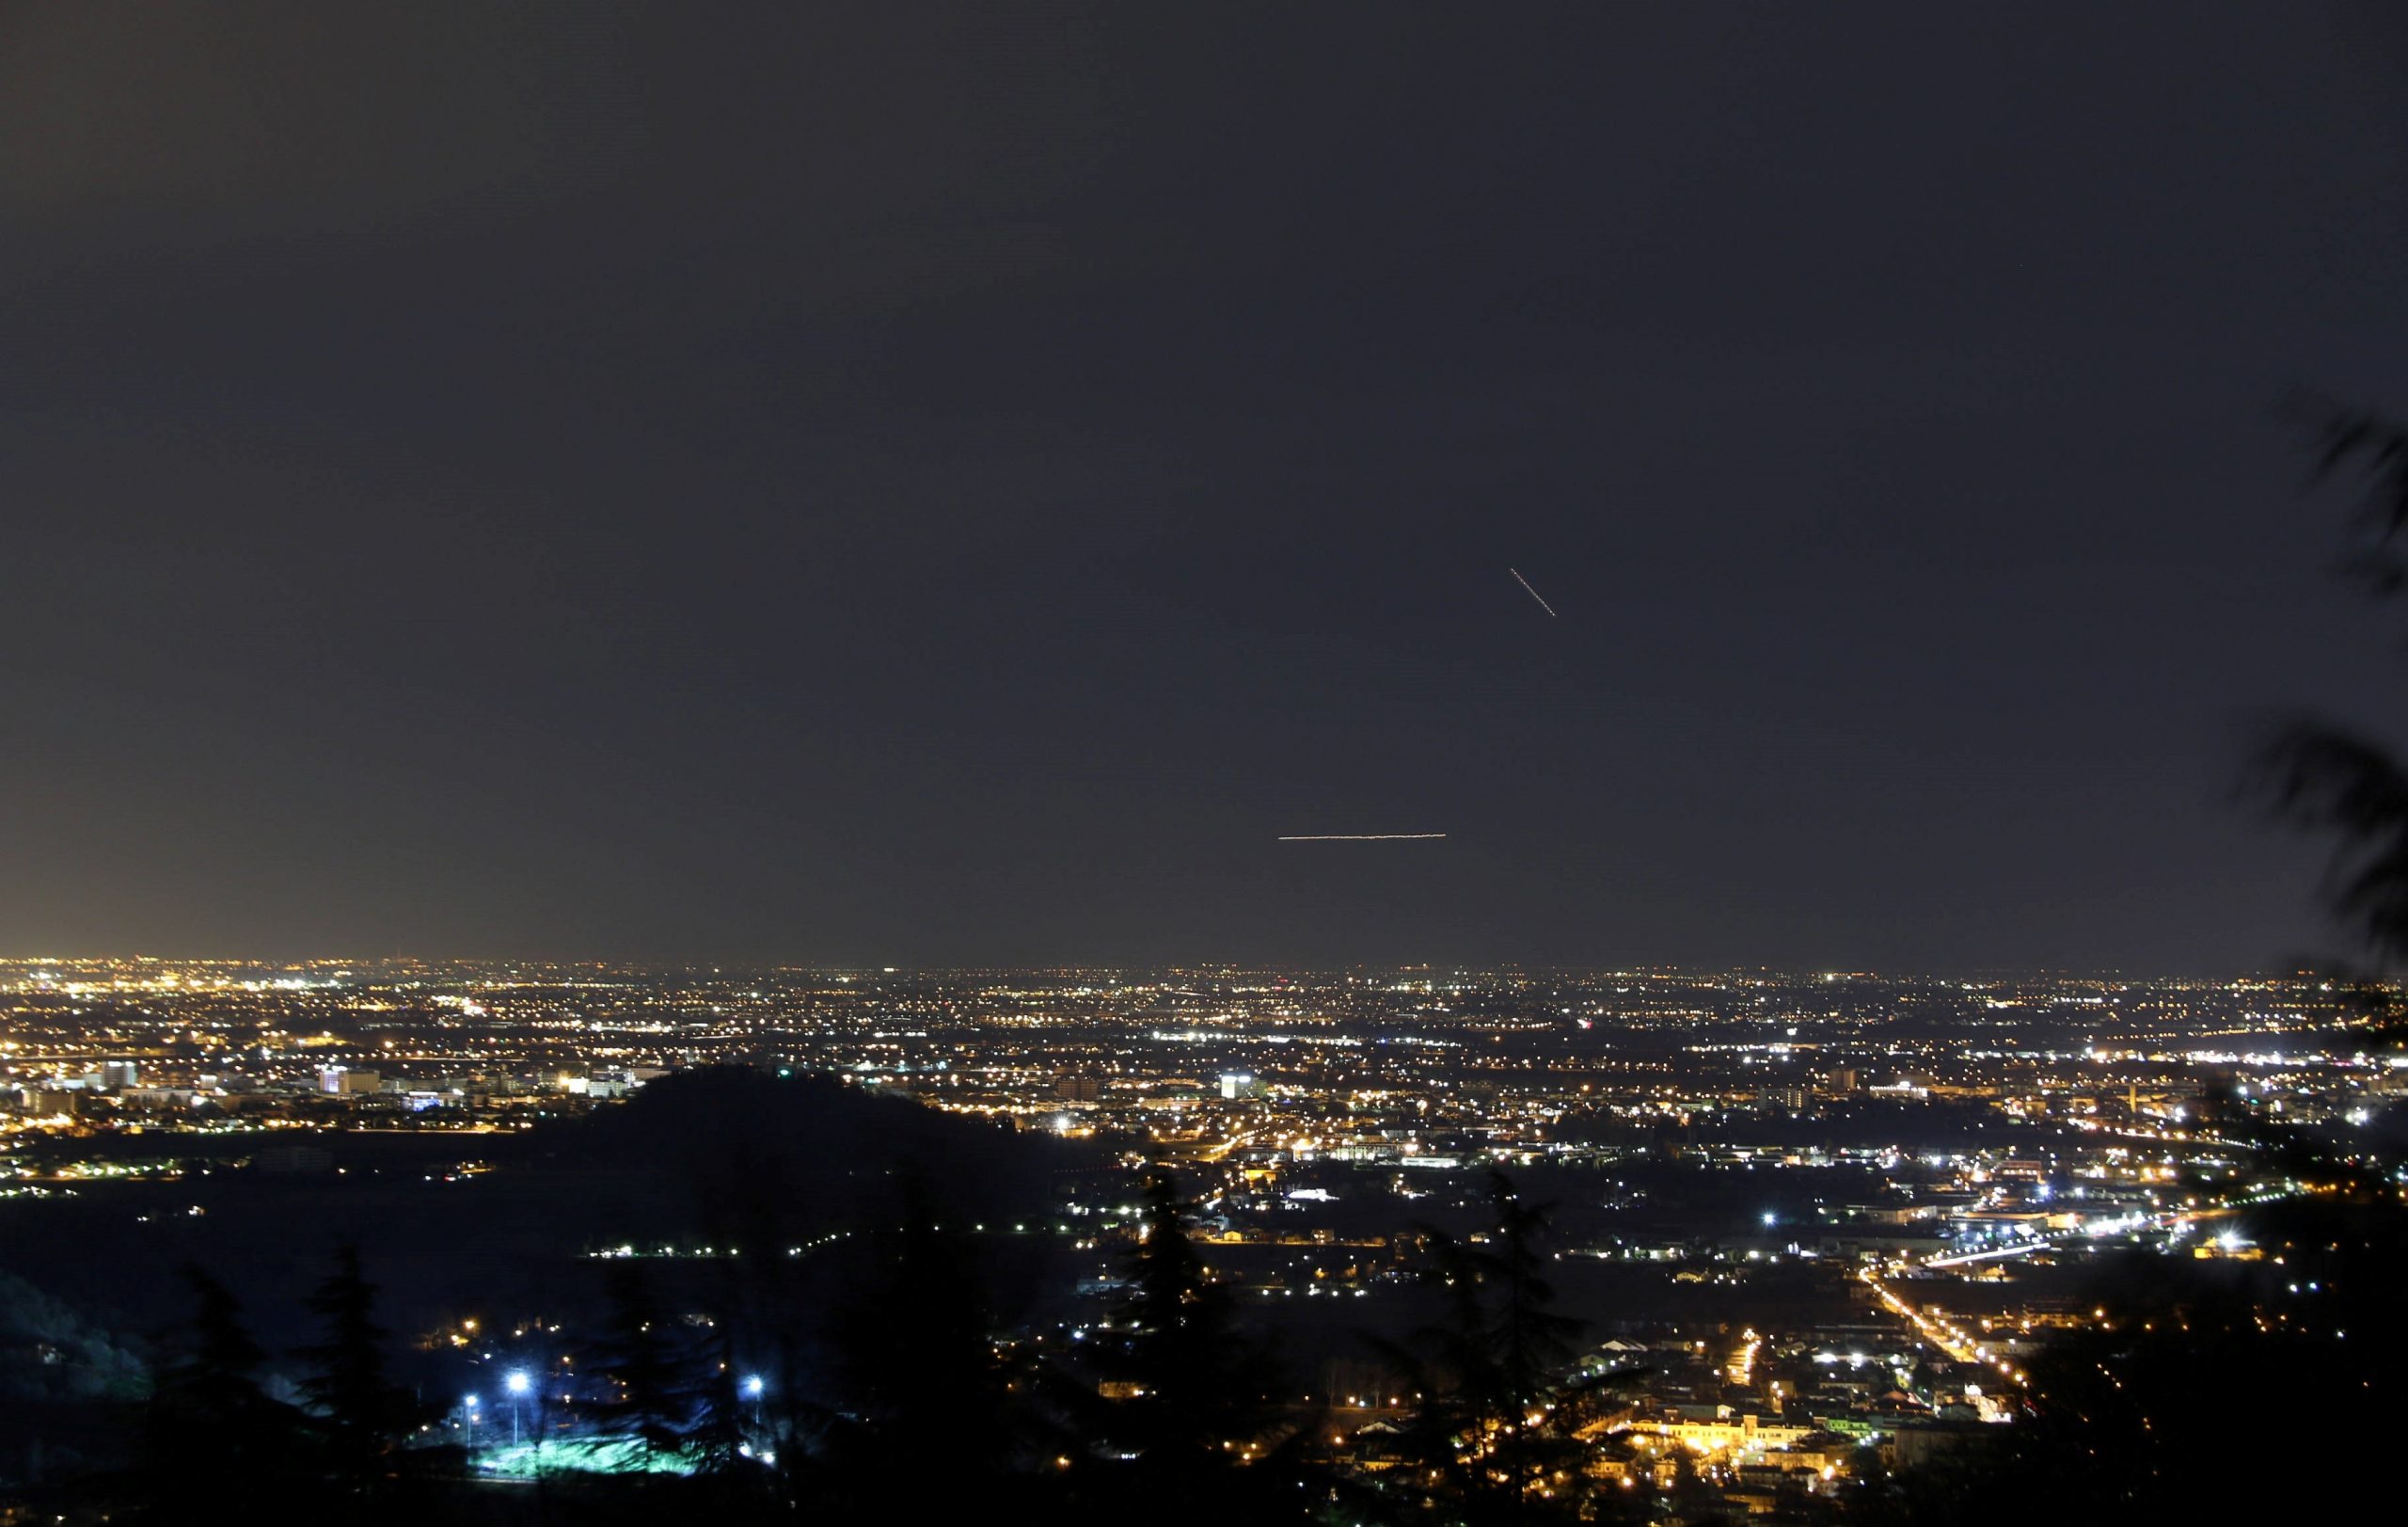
893	486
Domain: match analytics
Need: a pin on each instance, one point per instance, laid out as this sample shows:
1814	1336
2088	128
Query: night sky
878	485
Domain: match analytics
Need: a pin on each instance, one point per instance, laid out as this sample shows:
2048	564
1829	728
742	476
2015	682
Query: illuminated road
1962	1345
1221	1151
1949	1338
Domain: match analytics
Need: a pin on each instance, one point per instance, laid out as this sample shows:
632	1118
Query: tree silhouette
1493	1428
917	1367
642	1357
2129	1416
208	1414
365	1422
719	1433
1193	1432
2339	781
2333	779
1195	1382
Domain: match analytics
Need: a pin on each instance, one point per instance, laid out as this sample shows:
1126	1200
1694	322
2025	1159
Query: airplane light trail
1353	837
1533	592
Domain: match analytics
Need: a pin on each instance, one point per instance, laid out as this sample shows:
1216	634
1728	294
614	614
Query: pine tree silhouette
1195	1435
209	1416
364	1421
1196	1383
917	1367
643	1359
1494	1423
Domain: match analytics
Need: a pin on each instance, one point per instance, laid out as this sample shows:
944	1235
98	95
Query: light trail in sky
1353	838
1533	592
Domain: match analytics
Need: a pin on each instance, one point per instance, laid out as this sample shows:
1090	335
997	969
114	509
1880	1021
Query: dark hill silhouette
710	1159
712	1143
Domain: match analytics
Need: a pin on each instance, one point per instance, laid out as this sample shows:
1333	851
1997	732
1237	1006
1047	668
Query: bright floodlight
516	1383
753	1386
471	1402
1771	1218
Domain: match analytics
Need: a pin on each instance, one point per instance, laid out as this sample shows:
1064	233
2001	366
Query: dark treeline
350	1440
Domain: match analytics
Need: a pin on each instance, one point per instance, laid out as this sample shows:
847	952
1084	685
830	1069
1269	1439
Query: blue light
753	1386
517	1382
